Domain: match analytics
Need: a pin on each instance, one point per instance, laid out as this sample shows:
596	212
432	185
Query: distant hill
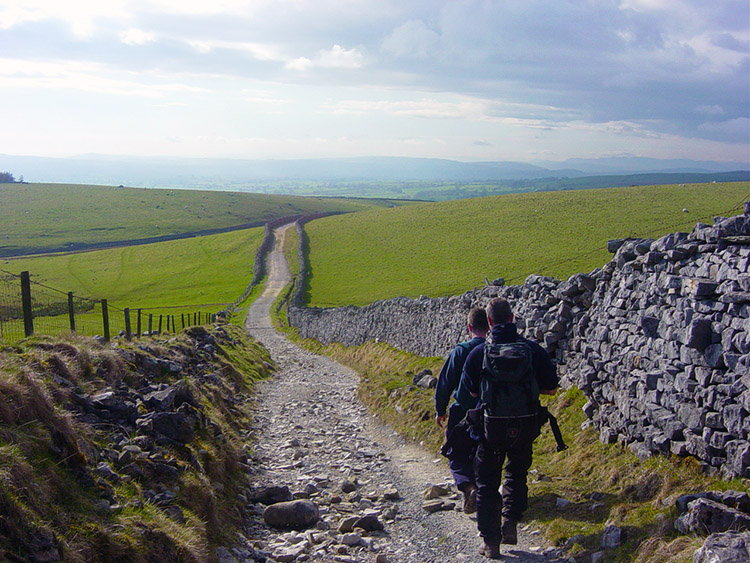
283	176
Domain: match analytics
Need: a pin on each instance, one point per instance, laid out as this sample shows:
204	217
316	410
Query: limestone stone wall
658	338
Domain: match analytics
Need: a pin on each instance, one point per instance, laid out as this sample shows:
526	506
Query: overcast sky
460	79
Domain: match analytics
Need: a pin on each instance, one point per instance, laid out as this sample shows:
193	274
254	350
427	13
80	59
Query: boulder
269	495
296	514
705	516
729	546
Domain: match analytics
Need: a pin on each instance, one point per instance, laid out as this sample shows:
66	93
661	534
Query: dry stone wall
658	338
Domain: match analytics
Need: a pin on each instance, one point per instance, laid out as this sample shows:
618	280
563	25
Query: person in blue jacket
461	452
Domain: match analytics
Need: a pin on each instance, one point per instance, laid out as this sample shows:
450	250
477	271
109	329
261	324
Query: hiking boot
509	532
490	550
470	499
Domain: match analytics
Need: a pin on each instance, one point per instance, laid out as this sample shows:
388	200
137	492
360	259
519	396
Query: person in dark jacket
461	454
512	455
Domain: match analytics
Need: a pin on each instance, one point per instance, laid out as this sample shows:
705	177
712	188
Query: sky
470	80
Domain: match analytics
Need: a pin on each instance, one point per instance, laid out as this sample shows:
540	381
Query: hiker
507	373
461	450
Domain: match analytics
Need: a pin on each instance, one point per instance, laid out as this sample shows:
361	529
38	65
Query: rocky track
313	436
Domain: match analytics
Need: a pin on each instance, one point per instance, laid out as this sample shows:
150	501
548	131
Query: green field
439	249
173	277
53	217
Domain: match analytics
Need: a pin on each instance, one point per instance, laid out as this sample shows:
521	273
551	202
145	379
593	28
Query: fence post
28	315
128	333
182	316
160	316
139	324
150	323
71	312
105	319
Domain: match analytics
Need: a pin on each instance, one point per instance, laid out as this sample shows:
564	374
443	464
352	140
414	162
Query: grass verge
85	478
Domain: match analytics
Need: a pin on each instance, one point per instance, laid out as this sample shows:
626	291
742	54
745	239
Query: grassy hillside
43	217
446	248
209	270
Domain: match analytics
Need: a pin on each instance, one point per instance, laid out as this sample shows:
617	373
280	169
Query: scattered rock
298	514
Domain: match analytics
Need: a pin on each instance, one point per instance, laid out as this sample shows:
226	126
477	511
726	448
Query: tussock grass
50	494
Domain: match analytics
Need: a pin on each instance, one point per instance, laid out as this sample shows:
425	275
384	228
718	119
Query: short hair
478	319
498	310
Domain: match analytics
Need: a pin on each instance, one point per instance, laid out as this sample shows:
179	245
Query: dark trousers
511	456
462	450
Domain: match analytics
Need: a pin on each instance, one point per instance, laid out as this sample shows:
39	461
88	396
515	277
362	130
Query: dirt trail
312	433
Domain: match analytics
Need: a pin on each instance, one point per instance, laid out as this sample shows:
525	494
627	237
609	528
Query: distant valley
398	177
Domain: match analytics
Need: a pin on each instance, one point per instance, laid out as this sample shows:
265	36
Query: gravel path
312	434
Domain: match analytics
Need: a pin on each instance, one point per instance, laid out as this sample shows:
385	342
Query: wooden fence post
128	333
28	314
150	323
105	319
160	317
138	324
71	312
182	316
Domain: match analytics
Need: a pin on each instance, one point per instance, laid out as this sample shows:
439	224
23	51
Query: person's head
498	311
478	322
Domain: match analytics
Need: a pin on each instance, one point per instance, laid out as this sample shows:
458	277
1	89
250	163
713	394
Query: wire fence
28	307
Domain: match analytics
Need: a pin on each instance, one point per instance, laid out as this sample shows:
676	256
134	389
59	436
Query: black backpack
509	388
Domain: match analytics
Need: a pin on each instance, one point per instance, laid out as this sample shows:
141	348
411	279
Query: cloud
710	110
137	37
258	51
84	77
336	57
732	130
412	39
80	15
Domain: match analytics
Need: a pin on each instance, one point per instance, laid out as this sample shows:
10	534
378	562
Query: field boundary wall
658	339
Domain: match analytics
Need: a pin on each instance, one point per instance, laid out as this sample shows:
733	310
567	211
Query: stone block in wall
705	233
736	297
721	439
649	326
699	334
734	415
714	356
689	356
607	435
699	287
695	445
669	242
714	420
678	448
665	420
657	441
691	416
738	459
